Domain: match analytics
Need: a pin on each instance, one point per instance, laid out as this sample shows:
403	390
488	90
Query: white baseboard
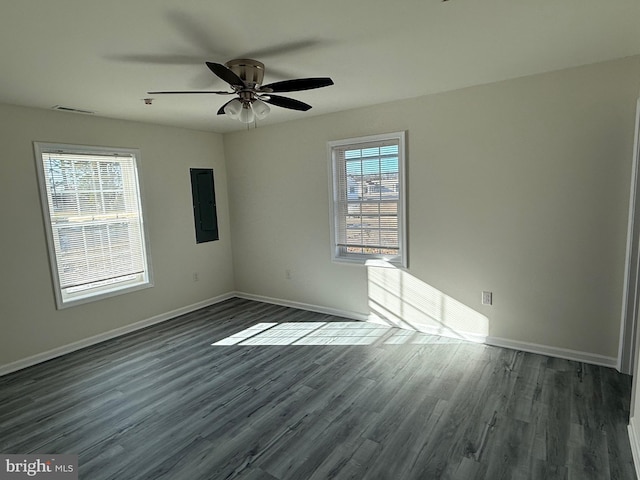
304	306
363	317
86	342
634	440
585	357
429	330
564	353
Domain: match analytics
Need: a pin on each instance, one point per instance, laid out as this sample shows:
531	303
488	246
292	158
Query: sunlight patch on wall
398	299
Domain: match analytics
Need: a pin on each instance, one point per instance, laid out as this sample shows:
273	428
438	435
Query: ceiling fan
245	76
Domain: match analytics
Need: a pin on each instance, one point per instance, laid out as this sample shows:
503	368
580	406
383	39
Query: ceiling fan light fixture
233	109
260	108
246	114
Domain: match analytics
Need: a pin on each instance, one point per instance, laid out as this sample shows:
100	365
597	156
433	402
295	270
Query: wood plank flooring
309	396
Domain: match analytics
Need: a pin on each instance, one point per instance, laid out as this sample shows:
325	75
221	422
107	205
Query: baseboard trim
304	306
432	330
87	342
563	353
635	444
567	354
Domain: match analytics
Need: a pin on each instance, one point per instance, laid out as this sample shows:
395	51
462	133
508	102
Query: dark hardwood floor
315	397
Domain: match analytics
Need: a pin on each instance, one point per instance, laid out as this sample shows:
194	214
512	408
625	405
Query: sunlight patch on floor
328	333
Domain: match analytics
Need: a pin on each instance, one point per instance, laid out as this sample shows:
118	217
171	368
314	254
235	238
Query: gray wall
29	321
519	187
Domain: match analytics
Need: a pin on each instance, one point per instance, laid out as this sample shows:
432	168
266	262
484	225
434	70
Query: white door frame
631	293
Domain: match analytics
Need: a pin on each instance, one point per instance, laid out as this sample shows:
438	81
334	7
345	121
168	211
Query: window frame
334	211
142	280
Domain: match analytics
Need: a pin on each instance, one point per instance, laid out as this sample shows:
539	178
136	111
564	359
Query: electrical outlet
287	274
487	298
196	276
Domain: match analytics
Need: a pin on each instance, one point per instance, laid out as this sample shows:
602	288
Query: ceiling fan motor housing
250	71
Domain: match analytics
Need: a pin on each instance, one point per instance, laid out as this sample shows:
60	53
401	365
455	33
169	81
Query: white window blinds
94	215
368	194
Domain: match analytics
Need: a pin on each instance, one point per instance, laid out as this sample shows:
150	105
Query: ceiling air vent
72	110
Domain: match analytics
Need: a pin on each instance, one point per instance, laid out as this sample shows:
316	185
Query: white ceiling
104	56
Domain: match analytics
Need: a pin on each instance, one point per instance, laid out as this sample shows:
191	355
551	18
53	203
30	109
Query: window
93	219
368	192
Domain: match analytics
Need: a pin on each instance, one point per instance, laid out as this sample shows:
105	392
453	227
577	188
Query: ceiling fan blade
285	102
221	110
282	48
201	35
297	84
158	59
173	92
225	74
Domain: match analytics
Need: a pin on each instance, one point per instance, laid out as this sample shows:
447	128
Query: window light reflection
328	333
